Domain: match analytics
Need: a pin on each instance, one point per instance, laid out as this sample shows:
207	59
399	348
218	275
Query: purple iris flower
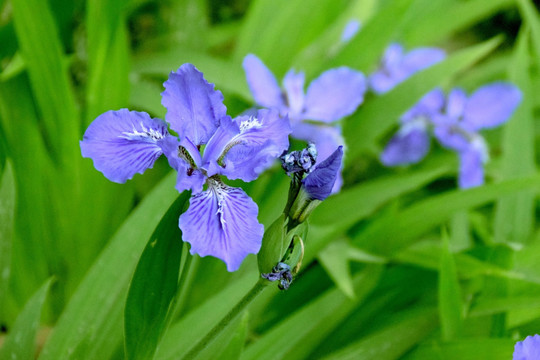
397	66
528	349
457	128
412	141
220	221
336	93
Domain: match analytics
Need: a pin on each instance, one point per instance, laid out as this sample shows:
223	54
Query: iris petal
491	105
244	147
406	147
294	87
471	168
122	143
222	222
194	107
335	94
262	83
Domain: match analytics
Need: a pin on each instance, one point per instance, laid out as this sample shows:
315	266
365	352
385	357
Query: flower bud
316	187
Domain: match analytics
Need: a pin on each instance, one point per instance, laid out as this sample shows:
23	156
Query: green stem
186	280
231	315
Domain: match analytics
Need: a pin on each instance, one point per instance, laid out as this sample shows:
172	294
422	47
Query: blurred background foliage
401	264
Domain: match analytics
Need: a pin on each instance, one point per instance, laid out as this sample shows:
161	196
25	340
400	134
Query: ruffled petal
122	143
326	139
471	168
244	147
194	107
294	87
335	94
528	349
406	147
262	83
222	222
492	105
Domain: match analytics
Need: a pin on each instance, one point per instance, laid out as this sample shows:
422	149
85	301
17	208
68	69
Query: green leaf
364	50
334	259
108	62
450	307
469	349
21	341
530	14
91	325
7	214
270	37
153	287
272	246
183	335
226	75
393	341
515	214
230	343
375	118
297	335
340	211
42	52
426	26
236	345
389	235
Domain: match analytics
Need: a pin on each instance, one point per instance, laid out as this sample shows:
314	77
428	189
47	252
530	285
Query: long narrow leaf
153	287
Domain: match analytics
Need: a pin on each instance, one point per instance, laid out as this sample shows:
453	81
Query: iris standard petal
491	105
247	145
471	168
122	143
262	83
335	94
528	349
406	147
222	222
194	107
294	87
326	139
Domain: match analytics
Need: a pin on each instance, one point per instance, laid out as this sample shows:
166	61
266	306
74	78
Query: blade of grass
91	325
389	235
450	307
153	287
515	214
21	342
7	222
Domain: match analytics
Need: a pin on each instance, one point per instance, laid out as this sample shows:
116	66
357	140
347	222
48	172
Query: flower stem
231	315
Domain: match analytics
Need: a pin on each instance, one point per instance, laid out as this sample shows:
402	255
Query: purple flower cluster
455	121
528	349
336	93
221	221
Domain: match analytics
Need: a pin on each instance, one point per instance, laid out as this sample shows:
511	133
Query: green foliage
153	287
